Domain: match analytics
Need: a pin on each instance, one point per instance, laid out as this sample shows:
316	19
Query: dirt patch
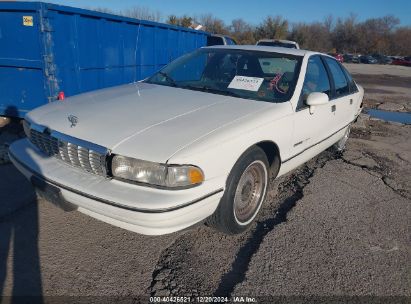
10	132
385	80
378	91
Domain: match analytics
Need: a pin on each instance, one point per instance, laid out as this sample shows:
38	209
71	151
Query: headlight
171	176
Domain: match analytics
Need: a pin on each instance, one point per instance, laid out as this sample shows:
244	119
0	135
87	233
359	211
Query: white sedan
196	141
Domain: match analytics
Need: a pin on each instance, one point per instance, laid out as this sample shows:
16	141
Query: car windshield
257	75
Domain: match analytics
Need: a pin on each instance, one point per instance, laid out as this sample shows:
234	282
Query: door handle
350	101
333	108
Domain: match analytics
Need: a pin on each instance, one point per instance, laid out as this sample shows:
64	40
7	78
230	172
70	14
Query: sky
254	11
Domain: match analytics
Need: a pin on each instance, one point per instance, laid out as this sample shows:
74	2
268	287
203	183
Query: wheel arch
272	151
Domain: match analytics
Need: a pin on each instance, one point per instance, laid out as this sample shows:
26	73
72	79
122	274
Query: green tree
185	20
272	28
172	19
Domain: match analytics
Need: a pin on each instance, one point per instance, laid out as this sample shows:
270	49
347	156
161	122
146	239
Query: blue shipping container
47	48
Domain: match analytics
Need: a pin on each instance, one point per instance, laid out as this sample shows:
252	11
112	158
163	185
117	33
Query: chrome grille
78	153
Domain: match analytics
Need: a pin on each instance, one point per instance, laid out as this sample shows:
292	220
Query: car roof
277	40
218	35
263	48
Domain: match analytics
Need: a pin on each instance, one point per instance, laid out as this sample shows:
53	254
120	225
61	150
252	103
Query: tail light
61	96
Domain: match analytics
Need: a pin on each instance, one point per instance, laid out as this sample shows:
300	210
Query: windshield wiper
211	90
168	78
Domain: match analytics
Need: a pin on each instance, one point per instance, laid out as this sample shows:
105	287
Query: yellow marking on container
28	20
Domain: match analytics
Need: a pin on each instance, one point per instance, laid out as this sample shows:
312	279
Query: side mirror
316	99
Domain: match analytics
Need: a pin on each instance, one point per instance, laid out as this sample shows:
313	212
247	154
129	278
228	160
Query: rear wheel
245	192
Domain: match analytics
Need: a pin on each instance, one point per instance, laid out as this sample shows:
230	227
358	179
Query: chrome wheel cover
250	192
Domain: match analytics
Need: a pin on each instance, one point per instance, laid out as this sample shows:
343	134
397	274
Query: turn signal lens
183	176
196	176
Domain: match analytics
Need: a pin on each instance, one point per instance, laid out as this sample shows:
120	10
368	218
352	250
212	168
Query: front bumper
137	208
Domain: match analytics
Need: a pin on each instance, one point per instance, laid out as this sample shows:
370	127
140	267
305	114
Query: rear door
342	103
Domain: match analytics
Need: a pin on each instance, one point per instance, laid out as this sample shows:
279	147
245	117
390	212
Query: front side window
340	82
257	75
316	79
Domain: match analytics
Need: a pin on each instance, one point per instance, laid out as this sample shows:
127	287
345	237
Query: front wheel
245	192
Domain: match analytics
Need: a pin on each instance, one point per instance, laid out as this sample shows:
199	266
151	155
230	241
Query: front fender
217	153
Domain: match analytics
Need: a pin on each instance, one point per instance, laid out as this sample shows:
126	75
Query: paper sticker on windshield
246	83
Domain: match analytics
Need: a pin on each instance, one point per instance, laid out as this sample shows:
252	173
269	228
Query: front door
311	127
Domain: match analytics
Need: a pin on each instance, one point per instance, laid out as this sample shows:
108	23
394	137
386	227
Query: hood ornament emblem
73	120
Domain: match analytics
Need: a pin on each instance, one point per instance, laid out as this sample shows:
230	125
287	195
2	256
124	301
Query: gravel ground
387	87
338	227
350	240
9	133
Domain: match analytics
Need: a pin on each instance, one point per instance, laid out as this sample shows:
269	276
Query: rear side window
230	41
340	82
351	83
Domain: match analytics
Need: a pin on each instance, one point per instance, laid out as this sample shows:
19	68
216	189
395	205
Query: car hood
144	120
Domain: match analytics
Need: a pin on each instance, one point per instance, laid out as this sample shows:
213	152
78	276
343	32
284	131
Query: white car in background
196	141
279	43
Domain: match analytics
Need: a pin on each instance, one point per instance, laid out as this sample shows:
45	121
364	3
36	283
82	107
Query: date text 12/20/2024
199	299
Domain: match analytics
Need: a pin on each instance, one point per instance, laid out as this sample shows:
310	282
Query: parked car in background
198	140
280	43
347	58
339	57
368	59
351	58
405	61
355	59
216	39
382	59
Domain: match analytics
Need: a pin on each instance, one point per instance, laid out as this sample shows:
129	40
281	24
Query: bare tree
375	35
314	36
103	10
242	32
142	13
213	24
400	42
329	23
345	34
